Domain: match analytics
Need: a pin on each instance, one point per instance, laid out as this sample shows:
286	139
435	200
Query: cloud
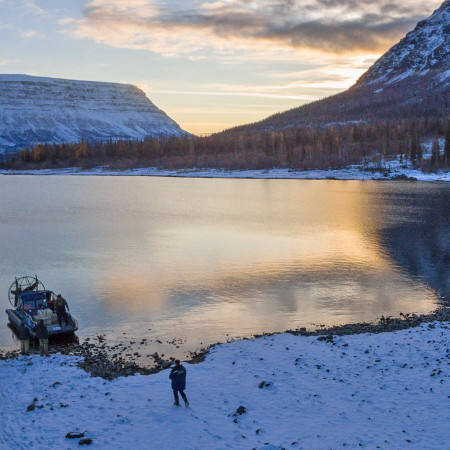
7	62
236	94
31	7
230	26
30	34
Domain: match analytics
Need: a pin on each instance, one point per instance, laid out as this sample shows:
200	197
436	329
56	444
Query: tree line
299	147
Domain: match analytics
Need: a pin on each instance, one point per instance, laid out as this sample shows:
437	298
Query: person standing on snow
178	377
42	334
24	337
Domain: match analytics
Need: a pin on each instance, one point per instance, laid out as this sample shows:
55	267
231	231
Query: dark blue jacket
41	331
178	377
24	332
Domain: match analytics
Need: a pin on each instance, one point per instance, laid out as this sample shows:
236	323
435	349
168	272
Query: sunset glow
208	65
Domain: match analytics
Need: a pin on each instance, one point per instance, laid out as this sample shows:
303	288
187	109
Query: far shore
356	173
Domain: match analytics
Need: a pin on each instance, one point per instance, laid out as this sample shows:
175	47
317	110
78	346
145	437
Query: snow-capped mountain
425	51
49	110
411	80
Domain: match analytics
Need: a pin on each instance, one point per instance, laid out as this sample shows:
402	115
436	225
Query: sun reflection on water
203	259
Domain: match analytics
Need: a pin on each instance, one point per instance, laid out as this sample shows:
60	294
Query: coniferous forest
296	147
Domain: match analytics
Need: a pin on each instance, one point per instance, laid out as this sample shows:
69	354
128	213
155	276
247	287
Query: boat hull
16	320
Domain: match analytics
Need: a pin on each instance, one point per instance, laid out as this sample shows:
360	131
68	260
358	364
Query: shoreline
388	390
102	360
355	173
381	325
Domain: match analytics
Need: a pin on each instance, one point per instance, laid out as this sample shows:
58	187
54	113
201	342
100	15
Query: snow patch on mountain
424	51
48	110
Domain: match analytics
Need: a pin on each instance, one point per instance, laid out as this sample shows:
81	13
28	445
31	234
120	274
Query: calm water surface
201	260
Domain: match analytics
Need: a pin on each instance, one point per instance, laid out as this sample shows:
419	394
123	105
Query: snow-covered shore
351	173
387	390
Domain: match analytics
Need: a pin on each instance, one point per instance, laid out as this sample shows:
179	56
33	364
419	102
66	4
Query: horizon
209	66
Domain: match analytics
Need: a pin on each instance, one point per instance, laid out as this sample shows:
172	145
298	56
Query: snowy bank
387	390
351	173
394	169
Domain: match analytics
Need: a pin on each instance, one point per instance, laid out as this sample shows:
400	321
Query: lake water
204	260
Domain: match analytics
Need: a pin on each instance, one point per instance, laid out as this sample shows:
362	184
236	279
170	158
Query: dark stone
31	407
74	435
241	410
329	338
86	441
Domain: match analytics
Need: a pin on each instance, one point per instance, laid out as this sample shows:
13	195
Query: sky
209	65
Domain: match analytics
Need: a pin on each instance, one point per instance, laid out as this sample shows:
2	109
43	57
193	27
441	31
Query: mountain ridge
424	49
412	79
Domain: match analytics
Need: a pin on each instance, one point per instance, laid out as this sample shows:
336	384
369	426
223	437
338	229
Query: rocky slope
411	80
424	52
48	110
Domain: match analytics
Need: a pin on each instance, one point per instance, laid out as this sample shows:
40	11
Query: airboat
31	302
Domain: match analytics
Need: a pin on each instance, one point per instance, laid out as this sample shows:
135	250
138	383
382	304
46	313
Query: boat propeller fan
23	284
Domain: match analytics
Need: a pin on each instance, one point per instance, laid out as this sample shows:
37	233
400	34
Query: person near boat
178	377
24	337
60	307
50	300
42	333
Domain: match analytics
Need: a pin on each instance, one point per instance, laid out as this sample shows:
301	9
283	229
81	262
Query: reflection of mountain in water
422	247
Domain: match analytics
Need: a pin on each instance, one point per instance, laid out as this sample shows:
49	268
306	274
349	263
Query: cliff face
47	110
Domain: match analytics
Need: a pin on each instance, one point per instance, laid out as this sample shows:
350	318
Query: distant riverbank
395	172
344	174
